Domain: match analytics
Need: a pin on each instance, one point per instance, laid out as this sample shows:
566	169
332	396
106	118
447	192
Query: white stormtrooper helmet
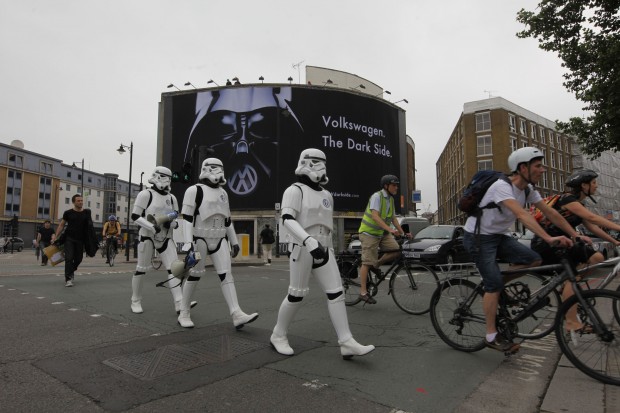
213	171
312	163
161	178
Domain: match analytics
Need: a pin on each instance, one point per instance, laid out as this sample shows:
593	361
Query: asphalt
54	347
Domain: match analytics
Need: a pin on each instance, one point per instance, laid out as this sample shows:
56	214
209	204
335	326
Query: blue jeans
488	248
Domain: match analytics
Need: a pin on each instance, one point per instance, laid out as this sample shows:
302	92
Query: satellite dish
18	144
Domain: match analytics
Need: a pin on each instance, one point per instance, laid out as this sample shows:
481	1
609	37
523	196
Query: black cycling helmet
389	179
581	177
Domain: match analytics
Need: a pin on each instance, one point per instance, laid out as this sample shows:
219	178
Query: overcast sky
80	77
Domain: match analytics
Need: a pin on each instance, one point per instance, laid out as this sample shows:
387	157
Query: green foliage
586	36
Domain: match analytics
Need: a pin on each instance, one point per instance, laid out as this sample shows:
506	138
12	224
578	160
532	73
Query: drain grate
176	358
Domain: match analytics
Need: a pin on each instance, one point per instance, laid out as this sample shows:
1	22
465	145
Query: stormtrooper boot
348	346
230	295
177	293
278	338
184	317
136	296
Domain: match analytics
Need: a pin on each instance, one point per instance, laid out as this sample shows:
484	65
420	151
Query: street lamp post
82	163
122	150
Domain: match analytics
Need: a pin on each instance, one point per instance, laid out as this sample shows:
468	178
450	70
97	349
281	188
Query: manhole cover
176	358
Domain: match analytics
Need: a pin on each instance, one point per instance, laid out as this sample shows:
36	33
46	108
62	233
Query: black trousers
74	252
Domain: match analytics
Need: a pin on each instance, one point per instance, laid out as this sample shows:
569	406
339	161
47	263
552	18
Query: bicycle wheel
542	321
156	261
412	285
595	354
457	315
111	255
351	290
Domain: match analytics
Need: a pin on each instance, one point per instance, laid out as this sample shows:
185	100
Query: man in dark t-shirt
76	220
44	238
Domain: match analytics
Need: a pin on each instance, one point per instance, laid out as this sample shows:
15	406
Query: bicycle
111	252
411	283
527	313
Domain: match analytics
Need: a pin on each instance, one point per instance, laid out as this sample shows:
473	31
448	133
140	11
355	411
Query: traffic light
186	177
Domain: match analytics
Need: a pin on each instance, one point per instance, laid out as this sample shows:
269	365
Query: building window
524	144
543	181
513	144
16	160
551	139
68	187
98	193
561	182
553	182
566	145
45	168
512	123
97	217
541	132
483	122
98	205
485	165
68	174
533	131
66	201
13	192
522	128
559	142
560	161
544	152
45	193
484	145
553	160
90	180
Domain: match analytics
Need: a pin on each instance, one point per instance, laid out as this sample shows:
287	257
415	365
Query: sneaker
69	284
501	344
367	299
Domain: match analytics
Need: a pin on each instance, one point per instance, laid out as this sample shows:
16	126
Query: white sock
491	337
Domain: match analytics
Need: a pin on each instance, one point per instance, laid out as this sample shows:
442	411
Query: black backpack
479	185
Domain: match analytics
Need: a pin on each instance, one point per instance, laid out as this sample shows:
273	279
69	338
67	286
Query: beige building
485	134
35	187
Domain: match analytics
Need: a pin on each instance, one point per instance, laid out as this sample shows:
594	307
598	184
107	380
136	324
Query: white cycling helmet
313	164
161	178
213	171
519	156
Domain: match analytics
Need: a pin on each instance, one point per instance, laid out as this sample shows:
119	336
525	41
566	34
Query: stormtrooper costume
307	226
207	228
157	201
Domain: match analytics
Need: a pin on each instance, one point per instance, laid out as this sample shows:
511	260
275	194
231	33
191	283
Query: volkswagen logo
243	181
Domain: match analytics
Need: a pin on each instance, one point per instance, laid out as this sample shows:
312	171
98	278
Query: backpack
479	185
537	213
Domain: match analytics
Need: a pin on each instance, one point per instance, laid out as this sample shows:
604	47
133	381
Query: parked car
526	239
14	243
604	247
438	244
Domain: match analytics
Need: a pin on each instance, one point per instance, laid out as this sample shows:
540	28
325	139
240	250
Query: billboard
259	131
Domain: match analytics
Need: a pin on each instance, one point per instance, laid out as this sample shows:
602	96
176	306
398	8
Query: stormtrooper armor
307	226
155	201
208	229
213	171
161	178
312	163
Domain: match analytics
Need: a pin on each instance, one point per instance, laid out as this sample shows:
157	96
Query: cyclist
493	241
570	205
111	230
376	232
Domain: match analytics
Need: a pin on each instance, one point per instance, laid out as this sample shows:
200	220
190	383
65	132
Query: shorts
371	246
489	249
579	253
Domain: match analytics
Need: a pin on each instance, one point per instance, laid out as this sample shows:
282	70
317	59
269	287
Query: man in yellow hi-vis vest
376	232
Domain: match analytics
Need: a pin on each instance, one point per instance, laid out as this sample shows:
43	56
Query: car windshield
435	233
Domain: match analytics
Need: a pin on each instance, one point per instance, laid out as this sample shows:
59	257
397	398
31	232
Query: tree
586	36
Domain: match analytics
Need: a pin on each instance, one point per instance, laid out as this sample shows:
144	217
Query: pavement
52	365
